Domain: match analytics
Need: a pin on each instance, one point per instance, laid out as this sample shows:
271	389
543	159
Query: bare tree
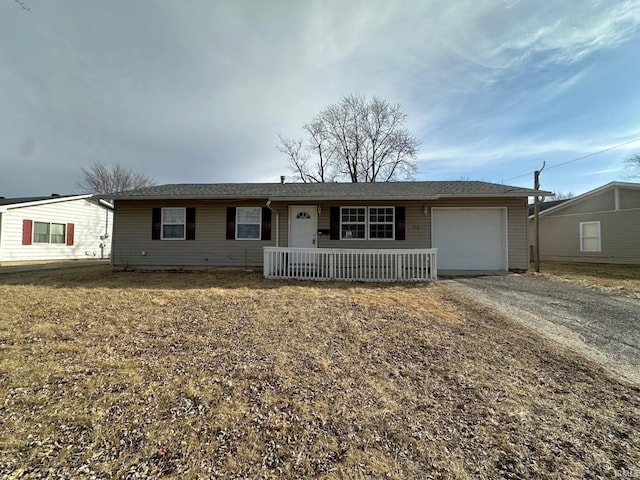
561	196
22	5
355	140
104	180
633	166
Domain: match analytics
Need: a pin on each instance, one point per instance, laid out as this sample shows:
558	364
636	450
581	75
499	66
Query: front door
303	226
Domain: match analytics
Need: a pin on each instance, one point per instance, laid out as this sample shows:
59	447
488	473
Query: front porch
365	265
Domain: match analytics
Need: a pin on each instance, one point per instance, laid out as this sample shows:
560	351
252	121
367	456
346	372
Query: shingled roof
328	191
21	202
16	200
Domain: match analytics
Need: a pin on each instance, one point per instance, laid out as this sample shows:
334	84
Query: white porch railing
367	265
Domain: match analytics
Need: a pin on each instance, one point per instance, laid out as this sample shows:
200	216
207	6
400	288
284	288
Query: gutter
46	201
353	198
188	197
419	198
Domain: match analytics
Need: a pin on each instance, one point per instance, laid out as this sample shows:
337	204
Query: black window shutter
191	223
400	226
266	224
156	223
334	223
231	223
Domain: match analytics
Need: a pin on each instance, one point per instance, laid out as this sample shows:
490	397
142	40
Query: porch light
426	209
319	209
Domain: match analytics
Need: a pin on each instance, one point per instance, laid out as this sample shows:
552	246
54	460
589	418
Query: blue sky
197	91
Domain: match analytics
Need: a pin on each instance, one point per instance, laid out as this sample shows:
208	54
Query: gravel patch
602	326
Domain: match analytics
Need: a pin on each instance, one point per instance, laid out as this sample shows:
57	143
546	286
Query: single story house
54	228
473	225
599	226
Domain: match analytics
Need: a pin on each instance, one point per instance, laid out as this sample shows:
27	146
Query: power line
596	153
519	176
579	158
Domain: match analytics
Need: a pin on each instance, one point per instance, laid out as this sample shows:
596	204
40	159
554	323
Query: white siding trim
47	201
582	236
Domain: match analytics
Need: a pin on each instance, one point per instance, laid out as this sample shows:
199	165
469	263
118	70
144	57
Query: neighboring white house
54	228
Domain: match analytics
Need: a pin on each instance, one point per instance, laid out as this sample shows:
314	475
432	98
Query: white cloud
199	91
478	155
573	33
601	172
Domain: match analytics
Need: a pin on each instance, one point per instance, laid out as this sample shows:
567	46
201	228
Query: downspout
103	238
277	222
112	240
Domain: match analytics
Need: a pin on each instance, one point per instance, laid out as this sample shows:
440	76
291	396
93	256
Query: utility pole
536	220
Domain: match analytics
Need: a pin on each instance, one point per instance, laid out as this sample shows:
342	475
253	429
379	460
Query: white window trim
33	236
367	223
354	223
48	242
64	236
245	223
393	224
582	237
162	223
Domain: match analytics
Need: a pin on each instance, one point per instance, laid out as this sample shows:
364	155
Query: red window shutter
70	229
27	231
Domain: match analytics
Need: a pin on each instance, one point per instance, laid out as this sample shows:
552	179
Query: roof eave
45	201
531	193
579	198
190	197
338	198
318	198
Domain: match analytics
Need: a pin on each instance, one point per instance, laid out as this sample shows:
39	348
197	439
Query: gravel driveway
600	326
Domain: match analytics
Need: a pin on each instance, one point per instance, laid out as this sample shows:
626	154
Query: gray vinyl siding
599	202
133	223
517	225
619	237
132	236
517	237
629	198
619	229
417	227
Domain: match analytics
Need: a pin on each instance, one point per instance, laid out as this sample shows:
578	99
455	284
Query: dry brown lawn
109	374
613	278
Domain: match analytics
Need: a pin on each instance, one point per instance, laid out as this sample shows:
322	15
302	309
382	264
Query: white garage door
470	238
